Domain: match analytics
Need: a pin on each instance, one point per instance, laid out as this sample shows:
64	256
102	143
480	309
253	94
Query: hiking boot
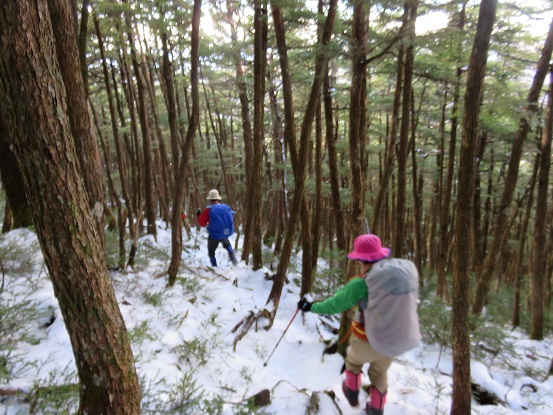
213	261
377	400
231	255
351	386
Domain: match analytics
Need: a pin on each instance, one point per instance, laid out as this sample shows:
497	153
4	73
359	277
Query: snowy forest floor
189	361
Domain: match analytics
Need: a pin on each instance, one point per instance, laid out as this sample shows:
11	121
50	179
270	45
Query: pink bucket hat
368	248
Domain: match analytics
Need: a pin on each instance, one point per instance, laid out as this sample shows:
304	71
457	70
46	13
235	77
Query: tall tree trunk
398	246
500	228
121	160
160	166
168	81
418	184
461	395
434	214
447	190
121	214
253	224
313	225
35	112
300	173
390	145
135	210
331	138
477	241
178	198
318	203
147	175
277	213
357	122
539	253
518	268
63	24
246	122
488	203
357	130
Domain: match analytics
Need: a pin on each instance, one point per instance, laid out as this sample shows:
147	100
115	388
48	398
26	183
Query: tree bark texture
461	396
63	24
398	246
358	121
256	192
539	253
331	138
178	198
35	113
518	268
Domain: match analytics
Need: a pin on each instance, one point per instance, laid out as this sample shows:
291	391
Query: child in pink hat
385	323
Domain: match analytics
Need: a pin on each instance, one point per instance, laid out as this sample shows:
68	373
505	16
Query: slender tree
358	121
500	224
331	138
518	268
306	127
247	132
253	224
461	397
178	198
405	127
143	109
539	247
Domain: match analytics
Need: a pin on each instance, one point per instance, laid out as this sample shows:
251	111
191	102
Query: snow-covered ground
184	346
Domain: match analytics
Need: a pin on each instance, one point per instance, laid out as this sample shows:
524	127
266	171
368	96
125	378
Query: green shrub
435	320
57	394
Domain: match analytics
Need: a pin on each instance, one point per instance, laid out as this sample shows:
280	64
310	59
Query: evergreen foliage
219	161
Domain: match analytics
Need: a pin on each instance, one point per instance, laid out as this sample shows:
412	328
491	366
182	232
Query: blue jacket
219	219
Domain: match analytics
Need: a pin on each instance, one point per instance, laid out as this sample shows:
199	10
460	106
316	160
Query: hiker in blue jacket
219	219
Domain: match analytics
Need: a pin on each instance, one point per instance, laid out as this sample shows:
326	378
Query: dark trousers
212	245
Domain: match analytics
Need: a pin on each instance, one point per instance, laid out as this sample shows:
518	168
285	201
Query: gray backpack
391	320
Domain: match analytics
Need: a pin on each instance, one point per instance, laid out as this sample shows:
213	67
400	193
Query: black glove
198	212
304	305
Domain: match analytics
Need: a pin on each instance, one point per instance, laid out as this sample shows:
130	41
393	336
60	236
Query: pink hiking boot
351	386
375	406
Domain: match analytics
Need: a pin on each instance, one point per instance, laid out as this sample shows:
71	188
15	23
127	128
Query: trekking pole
295	314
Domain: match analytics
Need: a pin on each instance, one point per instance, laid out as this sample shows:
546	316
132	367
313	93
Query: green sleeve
345	298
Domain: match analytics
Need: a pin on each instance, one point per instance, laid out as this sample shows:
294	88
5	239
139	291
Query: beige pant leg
361	352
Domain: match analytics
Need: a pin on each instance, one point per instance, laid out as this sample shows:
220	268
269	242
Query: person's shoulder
357	282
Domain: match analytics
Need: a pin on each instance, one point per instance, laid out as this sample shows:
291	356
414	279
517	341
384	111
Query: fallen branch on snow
247	322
